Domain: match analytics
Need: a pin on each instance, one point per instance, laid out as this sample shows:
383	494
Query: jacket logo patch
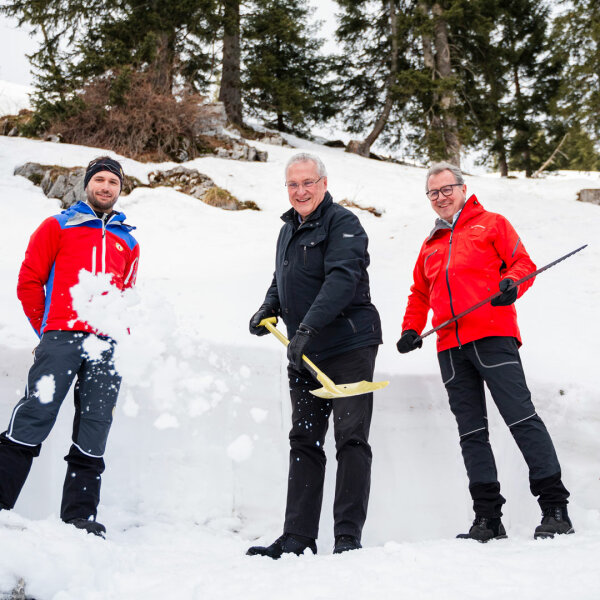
347	235
119	247
473	226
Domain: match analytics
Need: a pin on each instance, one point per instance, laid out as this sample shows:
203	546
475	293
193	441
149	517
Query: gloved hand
264	312
507	297
408	341
298	345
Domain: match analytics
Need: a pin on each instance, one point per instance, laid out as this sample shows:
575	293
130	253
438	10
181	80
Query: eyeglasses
447	190
307	185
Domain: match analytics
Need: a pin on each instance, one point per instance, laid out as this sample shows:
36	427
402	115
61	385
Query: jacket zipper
103	246
448	284
305	257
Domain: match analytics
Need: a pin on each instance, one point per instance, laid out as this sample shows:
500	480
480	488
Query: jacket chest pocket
312	252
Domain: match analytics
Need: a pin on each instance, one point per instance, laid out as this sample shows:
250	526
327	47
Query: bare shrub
138	122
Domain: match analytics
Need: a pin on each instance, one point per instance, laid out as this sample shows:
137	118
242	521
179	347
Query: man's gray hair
438	167
304	157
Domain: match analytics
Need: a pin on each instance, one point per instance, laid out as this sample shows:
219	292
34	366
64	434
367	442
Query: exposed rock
589	195
211	119
273	138
184	180
66	184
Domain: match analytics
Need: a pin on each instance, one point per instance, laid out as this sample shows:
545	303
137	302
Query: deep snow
197	458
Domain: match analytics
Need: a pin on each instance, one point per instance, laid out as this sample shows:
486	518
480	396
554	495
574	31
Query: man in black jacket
321	291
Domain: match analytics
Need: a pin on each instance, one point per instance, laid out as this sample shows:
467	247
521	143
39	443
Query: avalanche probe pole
486	300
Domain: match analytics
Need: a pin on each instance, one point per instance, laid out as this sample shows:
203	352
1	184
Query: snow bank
197	458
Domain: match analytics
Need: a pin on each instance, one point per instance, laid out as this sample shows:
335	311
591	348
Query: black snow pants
496	361
351	422
60	358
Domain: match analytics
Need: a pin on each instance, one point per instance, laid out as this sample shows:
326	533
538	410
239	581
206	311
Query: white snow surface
197	456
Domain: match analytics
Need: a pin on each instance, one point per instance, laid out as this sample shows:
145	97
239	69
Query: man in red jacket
470	254
89	236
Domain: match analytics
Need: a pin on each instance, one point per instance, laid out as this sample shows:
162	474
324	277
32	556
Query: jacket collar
291	216
471	208
81	212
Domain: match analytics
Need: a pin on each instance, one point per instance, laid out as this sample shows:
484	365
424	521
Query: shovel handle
269	323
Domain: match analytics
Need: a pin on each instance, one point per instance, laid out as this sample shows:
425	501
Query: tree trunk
501	152
522	134
164	62
447	98
364	148
230	93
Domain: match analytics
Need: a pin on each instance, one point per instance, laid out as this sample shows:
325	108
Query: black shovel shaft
489	298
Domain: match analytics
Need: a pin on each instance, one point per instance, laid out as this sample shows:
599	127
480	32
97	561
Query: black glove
408	341
264	312
507	297
298	344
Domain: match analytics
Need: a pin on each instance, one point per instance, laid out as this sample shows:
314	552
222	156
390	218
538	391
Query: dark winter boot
555	520
89	526
343	543
485	529
288	543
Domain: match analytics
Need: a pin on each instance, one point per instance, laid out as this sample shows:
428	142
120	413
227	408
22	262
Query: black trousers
351	422
496	361
60	358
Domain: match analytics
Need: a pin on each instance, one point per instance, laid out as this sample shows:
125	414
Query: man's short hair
438	167
304	157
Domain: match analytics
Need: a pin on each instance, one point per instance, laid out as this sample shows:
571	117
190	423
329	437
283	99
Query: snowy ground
197	457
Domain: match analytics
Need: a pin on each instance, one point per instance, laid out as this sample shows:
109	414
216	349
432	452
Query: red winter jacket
58	250
458	267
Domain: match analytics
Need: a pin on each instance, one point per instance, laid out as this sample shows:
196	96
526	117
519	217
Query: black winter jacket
321	280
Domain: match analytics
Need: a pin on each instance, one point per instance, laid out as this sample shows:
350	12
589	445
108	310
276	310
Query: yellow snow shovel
329	389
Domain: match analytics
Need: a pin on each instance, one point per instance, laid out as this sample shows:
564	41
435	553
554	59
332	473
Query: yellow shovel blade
329	389
343	390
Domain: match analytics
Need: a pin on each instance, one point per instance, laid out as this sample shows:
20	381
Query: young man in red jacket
89	236
470	254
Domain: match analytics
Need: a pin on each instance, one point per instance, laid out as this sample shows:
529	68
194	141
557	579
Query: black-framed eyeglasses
307	185
446	191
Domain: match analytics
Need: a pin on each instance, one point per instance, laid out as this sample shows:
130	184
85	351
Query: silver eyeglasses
307	185
446	191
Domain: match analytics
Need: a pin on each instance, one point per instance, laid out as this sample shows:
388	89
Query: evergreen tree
575	110
84	40
284	77
376	76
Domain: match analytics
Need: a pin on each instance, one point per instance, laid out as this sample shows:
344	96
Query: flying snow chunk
245	371
240	449
258	414
45	389
166	421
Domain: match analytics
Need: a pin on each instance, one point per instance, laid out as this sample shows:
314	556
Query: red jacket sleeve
39	258
511	250
415	315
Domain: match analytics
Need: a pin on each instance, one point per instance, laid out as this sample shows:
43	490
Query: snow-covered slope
197	458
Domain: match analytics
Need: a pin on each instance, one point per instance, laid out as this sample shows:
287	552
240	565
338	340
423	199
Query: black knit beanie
104	163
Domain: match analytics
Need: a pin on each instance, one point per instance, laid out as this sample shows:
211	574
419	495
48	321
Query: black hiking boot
90	526
288	543
344	542
555	520
485	529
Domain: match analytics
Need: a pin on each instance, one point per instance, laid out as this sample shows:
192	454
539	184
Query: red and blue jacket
58	250
460	265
